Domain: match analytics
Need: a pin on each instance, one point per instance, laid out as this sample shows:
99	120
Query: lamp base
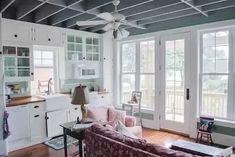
83	121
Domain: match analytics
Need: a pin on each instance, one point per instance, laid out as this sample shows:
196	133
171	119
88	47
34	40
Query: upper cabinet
44	35
17	63
75	46
22	32
92	49
82	48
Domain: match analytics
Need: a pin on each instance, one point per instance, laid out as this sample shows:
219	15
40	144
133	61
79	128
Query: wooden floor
40	150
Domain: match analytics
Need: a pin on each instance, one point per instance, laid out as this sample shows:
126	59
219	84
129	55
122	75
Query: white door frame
166	124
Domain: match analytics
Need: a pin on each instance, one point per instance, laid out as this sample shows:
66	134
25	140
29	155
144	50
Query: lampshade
80	95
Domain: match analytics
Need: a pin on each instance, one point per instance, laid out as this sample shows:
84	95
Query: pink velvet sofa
107	114
102	141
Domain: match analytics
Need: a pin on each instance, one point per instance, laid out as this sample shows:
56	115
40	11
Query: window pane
147	87
128	57
222	38
37	54
128	85
208	39
147	56
47	62
214	95
47	54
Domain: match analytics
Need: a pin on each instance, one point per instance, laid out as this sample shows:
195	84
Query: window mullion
137	75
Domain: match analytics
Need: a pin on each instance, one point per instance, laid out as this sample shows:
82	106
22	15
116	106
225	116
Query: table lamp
81	97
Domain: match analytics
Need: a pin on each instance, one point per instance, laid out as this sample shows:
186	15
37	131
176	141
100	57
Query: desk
78	133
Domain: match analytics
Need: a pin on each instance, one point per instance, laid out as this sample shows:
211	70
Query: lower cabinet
19	123
74	113
38	126
54	120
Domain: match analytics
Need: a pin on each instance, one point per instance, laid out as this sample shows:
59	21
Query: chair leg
197	137
211	141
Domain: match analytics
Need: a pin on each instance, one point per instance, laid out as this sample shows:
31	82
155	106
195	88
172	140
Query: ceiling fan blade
133	24
106	16
124	32
108	27
90	23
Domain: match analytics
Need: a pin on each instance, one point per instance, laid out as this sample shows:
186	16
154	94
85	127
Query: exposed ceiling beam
41	16
45	10
208	9
82	17
217	15
191	4
27	7
5	4
164	10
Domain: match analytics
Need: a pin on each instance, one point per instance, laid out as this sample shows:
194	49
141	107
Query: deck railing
213	104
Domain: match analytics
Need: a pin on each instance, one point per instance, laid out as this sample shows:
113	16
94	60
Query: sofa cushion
112	134
121	128
98	113
116	115
165	152
136	130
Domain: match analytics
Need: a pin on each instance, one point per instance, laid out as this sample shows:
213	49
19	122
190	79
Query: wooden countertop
23	100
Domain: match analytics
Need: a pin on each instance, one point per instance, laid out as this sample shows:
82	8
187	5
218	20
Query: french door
175	70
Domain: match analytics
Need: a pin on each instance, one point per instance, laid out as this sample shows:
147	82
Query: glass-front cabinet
17	63
82	48
74	48
92	49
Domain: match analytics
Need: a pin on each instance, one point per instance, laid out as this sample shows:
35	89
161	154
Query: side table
78	133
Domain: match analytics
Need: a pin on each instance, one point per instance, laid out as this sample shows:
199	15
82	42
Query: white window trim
137	72
230	74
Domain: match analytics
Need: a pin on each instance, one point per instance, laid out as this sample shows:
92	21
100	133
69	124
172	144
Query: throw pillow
206	124
98	113
121	128
116	115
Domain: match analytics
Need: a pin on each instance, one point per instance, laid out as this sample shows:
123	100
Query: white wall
193	31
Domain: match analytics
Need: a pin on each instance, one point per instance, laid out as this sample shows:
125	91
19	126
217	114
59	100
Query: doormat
58	142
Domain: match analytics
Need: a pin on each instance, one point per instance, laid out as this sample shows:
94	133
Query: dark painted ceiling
153	14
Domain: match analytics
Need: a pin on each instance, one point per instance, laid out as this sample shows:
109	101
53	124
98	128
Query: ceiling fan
113	22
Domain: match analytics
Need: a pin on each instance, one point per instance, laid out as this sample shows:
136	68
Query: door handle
187	94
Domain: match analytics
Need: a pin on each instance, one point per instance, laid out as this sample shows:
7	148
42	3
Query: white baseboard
3	149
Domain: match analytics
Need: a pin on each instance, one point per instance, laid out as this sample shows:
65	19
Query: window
138	71
215	92
128	70
43	71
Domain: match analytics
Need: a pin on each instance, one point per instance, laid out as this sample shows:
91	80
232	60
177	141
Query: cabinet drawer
37	107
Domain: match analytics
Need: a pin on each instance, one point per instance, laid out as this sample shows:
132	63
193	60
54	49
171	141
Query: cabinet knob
36	116
76	108
104	58
83	58
15	35
36	106
32	73
49	39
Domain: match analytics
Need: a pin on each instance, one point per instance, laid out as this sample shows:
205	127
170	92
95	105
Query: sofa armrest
130	121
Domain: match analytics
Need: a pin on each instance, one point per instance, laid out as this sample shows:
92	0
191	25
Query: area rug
58	142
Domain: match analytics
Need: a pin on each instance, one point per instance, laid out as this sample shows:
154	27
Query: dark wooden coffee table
195	148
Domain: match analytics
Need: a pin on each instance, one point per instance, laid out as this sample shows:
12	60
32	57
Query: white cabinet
37	121
99	99
18	64
19	122
54	120
44	35
16	32
74	112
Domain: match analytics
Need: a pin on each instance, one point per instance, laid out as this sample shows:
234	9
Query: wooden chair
134	105
205	130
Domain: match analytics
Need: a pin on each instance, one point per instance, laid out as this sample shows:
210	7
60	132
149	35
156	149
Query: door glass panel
128	85
174	69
